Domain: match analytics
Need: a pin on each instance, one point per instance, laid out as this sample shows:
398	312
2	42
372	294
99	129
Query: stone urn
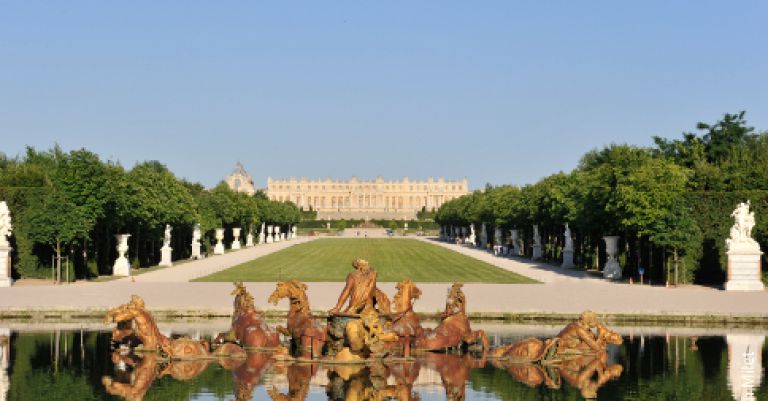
236	241
122	267
219	248
270	238
612	269
277	234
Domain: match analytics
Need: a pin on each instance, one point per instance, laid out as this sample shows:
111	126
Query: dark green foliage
670	204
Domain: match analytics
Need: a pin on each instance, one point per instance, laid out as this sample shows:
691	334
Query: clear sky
499	92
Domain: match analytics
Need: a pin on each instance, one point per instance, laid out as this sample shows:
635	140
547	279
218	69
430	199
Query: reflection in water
745	364
70	366
5	348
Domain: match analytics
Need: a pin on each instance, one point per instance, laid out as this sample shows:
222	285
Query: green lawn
394	259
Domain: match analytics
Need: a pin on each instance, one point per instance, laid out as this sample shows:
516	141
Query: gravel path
562	291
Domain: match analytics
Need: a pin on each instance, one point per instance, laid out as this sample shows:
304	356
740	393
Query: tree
57	222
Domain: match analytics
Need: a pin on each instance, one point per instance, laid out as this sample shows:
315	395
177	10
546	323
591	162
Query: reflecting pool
76	363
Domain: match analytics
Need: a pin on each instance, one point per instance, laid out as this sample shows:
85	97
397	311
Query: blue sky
499	92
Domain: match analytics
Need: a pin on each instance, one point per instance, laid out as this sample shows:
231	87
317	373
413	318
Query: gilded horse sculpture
134	320
248	327
454	330
306	333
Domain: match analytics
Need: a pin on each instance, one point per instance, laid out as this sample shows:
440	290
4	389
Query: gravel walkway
562	291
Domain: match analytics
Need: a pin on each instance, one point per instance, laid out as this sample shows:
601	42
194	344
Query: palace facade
366	199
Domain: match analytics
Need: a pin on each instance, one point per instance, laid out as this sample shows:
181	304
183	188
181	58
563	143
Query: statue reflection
247	375
364	383
587	373
132	378
454	371
299	377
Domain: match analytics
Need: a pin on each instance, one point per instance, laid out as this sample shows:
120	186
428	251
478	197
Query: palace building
366	199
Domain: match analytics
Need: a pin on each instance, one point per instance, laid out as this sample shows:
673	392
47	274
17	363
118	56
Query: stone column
122	267
270	239
219	248
743	253
536	243
5	247
612	269
568	249
166	250
745	364
196	234
236	241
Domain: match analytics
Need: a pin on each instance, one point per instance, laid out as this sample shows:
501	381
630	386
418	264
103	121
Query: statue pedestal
612	270
5	266
121	267
196	250
261	238
536	252
236	244
165	256
567	259
249	240
218	249
744	270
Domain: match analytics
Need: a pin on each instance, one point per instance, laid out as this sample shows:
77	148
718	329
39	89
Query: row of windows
389	202
363	188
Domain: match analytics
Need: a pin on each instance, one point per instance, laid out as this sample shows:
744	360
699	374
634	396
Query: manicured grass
394	259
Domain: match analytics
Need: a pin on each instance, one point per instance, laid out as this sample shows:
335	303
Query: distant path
199	268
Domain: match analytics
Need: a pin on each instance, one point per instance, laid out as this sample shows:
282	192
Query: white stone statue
294	231
472	235
122	267
497	236
5	248
196	236
249	236
218	249
567	248
165	251
513	246
270	238
612	268
5	224
743	253
536	242
741	232
236	238
262	236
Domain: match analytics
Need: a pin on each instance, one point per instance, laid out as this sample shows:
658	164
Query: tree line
71	204
670	203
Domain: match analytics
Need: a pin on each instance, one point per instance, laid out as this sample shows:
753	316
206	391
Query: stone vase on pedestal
277	233
536	243
236	241
743	253
270	239
612	268
219	248
295	231
122	267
